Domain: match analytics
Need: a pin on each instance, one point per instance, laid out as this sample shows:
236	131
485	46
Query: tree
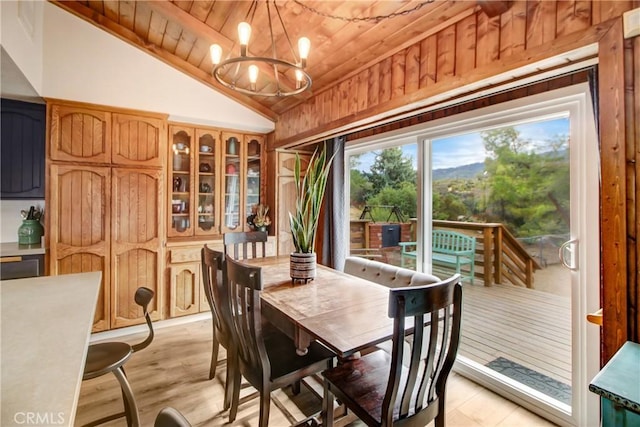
361	188
390	169
449	207
390	182
405	197
526	188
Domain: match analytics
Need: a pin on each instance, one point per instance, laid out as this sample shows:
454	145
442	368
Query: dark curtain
334	248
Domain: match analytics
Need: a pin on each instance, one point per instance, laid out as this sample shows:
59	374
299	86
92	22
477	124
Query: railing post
487	256
497	250
529	274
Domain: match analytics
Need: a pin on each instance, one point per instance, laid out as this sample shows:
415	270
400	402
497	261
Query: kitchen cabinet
93	134
79	133
105	199
186	295
243	168
255	165
136	242
232	191
186	287
207	178
22	147
194	182
181	181
215	180
138	140
184	272
79	227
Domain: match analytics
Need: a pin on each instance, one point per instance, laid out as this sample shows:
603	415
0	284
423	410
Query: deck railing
500	257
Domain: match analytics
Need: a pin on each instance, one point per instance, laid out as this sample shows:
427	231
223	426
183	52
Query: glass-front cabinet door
253	144
214	180
181	181
231	215
207	173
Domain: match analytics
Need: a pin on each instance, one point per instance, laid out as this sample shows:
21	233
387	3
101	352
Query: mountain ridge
459	172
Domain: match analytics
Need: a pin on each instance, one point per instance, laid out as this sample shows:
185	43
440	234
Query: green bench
448	249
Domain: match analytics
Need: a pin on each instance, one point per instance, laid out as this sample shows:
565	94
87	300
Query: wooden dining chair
267	363
215	289
244	245
106	357
382	390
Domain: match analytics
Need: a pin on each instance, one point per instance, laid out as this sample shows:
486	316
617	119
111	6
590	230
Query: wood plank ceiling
180	33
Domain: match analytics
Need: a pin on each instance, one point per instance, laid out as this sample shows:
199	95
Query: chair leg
130	402
214	355
235	400
440	418
327	406
229	385
265	405
295	388
127	410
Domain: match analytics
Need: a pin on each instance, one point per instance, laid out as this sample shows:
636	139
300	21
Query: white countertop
46	325
14	249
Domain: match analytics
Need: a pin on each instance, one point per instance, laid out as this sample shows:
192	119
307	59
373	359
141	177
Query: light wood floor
173	371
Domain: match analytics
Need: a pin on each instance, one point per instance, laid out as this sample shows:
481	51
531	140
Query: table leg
302	340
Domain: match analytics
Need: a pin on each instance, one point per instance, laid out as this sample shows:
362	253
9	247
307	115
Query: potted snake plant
310	189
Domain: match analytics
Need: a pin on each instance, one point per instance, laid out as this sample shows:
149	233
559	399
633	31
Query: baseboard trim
141	329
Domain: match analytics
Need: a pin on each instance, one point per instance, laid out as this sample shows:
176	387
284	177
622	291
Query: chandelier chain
376	19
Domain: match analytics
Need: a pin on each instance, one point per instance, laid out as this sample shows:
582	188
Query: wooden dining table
344	312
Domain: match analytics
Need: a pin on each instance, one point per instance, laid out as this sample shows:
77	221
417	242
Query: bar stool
103	358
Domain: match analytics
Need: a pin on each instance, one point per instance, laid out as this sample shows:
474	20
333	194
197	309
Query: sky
468	148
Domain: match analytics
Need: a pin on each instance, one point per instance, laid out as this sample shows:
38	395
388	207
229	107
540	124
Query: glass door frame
575	102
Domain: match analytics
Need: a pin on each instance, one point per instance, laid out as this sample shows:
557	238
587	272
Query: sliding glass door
519	180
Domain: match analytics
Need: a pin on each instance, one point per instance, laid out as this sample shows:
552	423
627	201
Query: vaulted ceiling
180	33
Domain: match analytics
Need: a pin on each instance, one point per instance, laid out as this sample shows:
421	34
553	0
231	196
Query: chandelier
241	73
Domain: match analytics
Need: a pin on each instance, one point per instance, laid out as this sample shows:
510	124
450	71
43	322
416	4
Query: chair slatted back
237	245
245	284
414	392
214	284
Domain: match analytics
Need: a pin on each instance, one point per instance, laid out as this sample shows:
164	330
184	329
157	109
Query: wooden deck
531	327
526	326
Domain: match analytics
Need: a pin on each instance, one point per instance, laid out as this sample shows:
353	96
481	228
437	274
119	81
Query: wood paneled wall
632	105
577	77
469	50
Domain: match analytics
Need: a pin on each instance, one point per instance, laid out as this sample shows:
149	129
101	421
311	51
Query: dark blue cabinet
22	154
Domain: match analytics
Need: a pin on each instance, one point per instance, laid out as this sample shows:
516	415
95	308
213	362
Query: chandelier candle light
233	71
